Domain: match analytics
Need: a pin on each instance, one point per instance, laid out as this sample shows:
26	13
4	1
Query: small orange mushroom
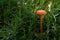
41	13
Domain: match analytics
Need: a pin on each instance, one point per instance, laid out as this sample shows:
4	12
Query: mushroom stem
40	23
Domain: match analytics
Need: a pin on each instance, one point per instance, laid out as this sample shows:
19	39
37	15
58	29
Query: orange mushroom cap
41	12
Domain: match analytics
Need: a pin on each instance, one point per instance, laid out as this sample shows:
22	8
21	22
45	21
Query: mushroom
41	13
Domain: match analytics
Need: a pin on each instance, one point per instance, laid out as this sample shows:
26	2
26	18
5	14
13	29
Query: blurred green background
19	21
